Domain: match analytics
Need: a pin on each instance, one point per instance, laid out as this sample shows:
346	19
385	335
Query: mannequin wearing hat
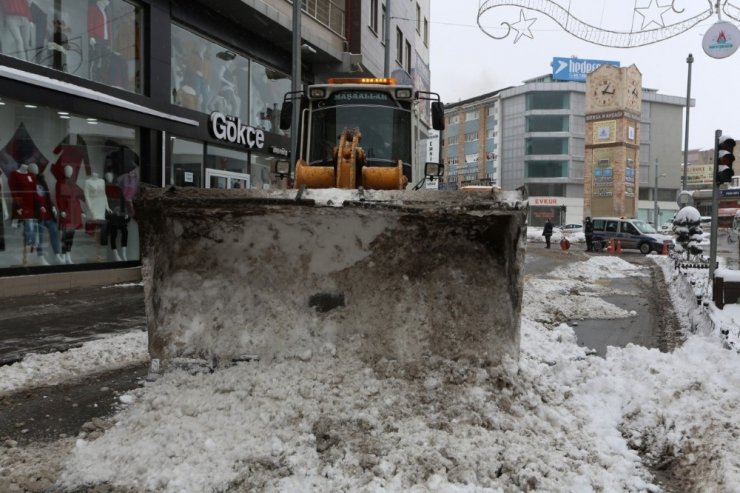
724	170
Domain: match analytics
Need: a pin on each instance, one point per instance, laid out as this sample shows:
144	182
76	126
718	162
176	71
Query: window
426	32
452	160
546	169
548	101
98	41
611	226
67	161
629	228
382	24
471	158
471	115
546	189
546	145
267	89
399	47
471	136
374	15
491	134
408	57
547	123
454	119
491	110
418	18
206	76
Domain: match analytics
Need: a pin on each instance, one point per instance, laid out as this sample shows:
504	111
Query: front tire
644	248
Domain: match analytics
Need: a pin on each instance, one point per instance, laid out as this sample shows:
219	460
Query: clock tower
613	104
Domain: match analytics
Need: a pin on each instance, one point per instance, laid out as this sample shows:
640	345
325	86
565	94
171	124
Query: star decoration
523	27
653	14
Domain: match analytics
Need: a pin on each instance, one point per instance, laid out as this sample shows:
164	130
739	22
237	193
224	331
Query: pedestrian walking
588	231
547	233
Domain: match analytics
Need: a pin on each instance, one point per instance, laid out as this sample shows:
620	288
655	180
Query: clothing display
16	7
23	191
129	184
46	218
71	155
116	218
68	201
95	197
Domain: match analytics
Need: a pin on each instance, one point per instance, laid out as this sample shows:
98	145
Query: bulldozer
351	251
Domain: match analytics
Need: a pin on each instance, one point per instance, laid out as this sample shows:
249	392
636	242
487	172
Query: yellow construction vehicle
350	253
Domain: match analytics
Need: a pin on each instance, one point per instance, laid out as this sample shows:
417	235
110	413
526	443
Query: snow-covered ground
560	421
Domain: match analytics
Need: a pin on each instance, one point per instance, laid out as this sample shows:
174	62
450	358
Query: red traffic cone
664	251
619	247
610	246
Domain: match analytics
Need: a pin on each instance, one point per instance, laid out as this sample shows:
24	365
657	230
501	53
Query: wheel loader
350	252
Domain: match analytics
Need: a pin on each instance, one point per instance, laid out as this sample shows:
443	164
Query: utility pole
296	83
689	61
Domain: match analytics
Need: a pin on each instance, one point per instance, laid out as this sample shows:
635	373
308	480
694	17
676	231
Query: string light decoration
651	18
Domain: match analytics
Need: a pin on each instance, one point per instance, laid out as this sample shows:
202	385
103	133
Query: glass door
224	180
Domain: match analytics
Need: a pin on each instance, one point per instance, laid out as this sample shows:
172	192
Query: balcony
329	13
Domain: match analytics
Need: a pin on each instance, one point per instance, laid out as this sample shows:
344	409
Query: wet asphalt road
58	321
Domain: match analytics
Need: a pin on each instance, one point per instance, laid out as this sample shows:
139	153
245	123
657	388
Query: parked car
631	233
571	228
666	228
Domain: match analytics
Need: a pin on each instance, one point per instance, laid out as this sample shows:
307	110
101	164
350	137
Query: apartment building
534	135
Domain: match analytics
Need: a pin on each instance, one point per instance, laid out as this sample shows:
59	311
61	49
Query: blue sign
576	68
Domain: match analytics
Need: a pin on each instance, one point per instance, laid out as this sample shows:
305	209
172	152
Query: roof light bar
387	81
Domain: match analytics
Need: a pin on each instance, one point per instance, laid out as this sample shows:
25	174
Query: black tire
645	248
598	246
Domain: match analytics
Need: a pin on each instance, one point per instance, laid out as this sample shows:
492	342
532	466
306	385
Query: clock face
634	94
604	92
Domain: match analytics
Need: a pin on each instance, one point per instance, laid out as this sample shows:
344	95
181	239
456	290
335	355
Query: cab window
599	225
629	228
611	226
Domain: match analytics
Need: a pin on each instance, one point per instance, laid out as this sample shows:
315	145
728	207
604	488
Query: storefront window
207	77
221	158
67	185
97	40
266	97
261	173
186	168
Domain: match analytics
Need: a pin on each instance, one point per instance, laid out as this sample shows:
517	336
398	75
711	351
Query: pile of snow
110	353
564	422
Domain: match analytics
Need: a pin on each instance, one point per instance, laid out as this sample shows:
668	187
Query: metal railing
329	13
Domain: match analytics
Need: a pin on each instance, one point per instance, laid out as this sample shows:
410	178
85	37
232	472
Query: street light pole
655	197
689	61
387	60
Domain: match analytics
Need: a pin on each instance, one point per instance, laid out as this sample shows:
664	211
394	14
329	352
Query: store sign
721	40
231	129
699	174
543	201
280	151
575	68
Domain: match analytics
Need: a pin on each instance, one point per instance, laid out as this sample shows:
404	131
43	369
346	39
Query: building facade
100	97
535	134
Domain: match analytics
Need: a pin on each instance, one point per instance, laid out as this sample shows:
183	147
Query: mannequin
227	99
116	217
99	30
45	217
70	210
19	27
22	185
97	206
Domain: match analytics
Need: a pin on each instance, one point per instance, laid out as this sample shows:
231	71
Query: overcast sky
465	62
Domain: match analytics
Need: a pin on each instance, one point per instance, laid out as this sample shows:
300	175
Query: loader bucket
409	274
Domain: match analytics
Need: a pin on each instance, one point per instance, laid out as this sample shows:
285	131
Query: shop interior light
65	117
62	113
31	106
92	121
2	103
